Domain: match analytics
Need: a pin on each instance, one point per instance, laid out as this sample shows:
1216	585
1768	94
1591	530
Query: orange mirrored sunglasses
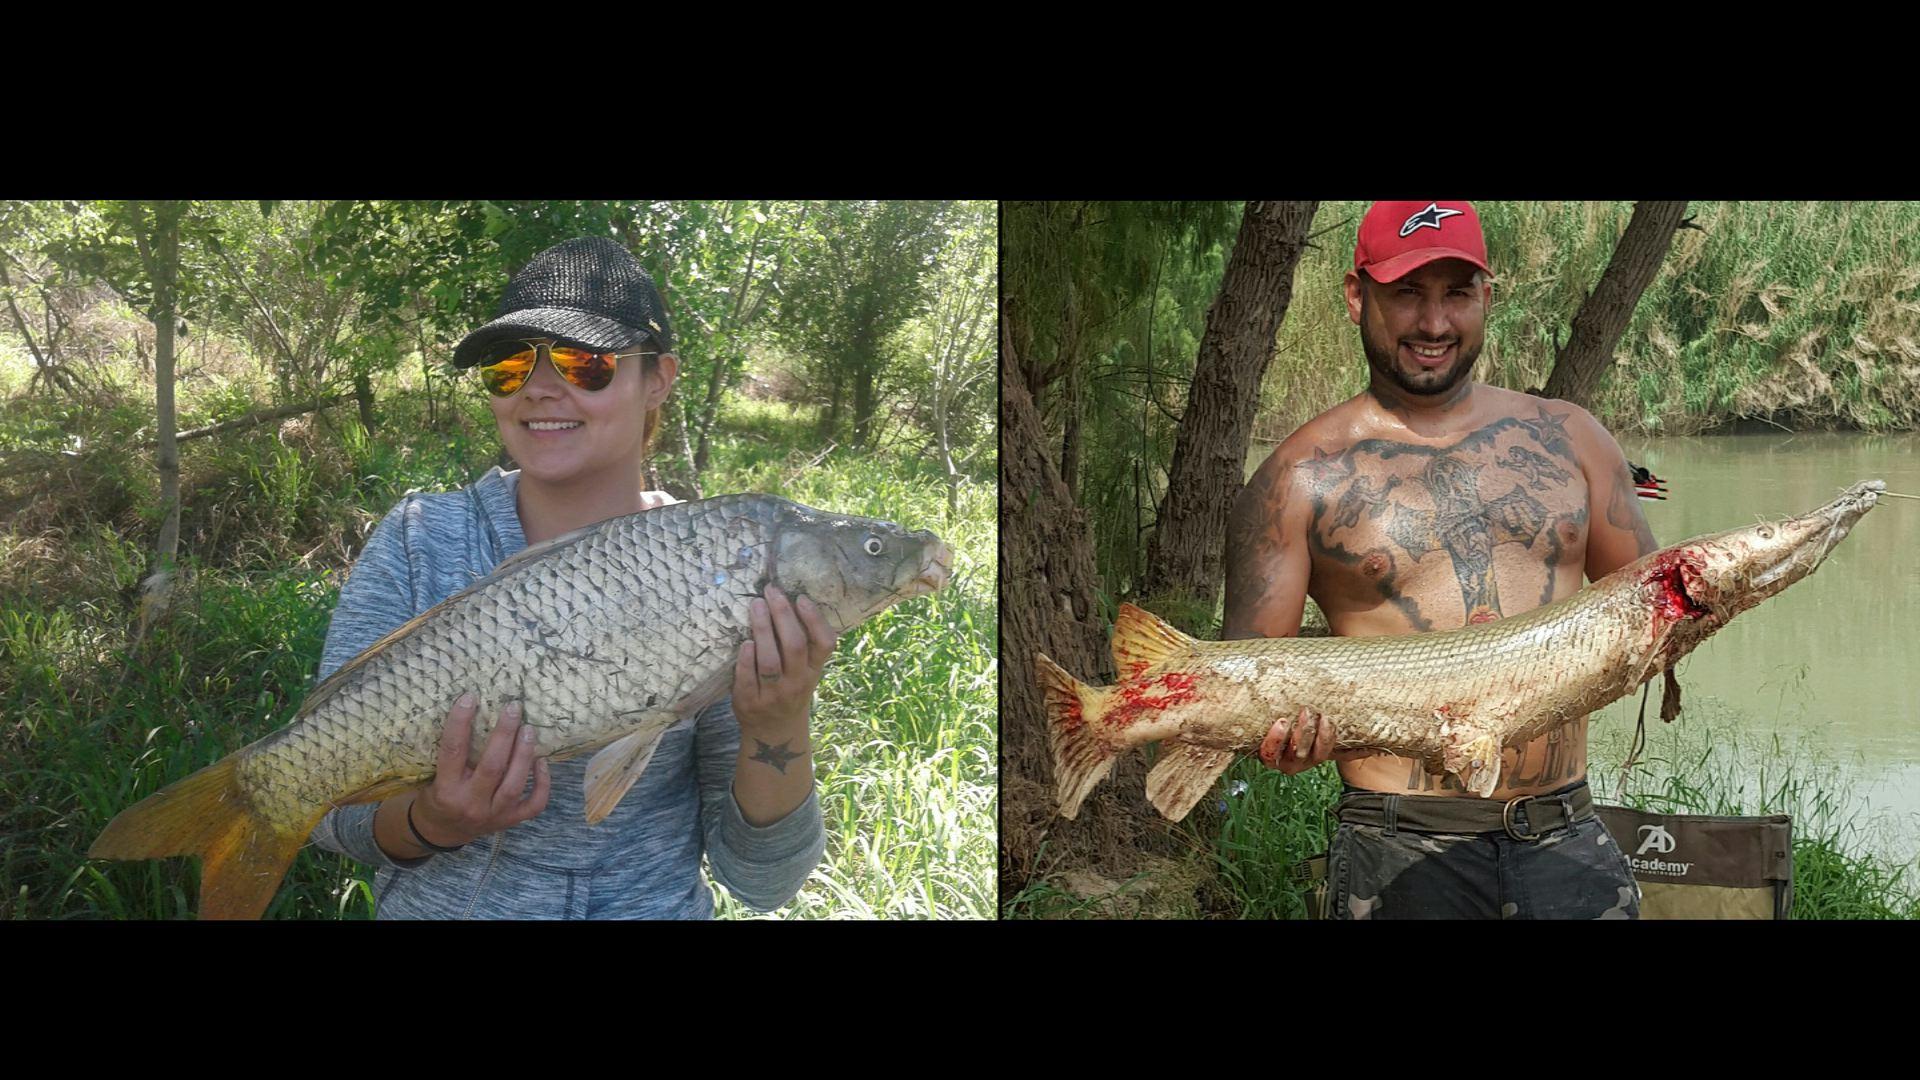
505	368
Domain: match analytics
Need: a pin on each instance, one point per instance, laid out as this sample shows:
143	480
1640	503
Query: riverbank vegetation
105	697
1800	315
1772	315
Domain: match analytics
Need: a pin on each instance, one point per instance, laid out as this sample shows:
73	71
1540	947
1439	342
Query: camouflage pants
1576	872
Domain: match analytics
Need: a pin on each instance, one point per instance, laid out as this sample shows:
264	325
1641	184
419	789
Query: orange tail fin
243	856
1081	758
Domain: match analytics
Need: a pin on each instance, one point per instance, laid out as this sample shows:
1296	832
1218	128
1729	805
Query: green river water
1832	665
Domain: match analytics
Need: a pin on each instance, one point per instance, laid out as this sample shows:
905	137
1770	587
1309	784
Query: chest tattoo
1380	500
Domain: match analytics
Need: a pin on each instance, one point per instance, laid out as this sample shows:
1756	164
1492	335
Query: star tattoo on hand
776	756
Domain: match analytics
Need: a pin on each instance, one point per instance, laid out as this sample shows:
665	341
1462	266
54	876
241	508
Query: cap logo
1429	218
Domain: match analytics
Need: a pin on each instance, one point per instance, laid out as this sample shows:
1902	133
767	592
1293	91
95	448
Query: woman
578	364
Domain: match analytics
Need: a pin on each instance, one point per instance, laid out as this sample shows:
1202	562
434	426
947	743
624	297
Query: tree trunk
830	417
160	252
1070	433
863	403
709	409
942	400
258	416
1047	604
363	393
1579	366
1184	555
166	250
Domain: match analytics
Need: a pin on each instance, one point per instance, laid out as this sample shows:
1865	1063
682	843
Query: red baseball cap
1397	238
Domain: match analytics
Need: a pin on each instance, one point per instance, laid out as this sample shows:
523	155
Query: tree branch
259	416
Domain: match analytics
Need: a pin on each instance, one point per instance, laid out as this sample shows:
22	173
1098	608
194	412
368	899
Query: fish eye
873	545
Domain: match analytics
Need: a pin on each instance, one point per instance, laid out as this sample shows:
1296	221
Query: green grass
906	725
905	722
1711	762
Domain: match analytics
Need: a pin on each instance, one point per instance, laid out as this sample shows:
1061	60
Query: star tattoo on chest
776	756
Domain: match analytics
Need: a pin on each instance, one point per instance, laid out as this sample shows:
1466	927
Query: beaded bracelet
423	841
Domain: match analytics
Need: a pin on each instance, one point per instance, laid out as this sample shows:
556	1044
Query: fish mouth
936	573
1839	516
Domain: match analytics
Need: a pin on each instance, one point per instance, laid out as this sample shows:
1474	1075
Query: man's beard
1422	383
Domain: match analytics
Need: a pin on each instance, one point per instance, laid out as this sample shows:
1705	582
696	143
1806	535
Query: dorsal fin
505	568
1142	639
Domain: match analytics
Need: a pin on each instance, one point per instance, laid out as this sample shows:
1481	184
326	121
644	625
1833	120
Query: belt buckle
1506	818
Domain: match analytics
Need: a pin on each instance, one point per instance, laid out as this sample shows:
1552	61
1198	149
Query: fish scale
606	637
1455	699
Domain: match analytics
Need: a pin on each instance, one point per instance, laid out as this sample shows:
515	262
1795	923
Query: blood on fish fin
243	856
1081	758
1475	759
1183	776
1142	639
614	769
1670	698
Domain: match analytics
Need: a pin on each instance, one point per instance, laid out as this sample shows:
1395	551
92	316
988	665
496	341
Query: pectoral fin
1475	759
614	769
1183	775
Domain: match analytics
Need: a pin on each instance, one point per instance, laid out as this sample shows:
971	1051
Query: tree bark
1184	554
1579	366
863	401
160	256
164	272
363	393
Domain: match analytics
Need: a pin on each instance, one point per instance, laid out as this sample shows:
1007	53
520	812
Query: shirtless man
1431	502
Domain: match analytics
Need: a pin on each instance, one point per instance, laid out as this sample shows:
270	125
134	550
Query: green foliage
1800	313
860	282
1109	301
82	745
1270	823
948	376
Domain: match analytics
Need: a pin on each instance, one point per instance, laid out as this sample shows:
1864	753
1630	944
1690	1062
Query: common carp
606	636
1453	698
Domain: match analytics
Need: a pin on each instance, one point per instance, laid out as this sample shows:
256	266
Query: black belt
1528	817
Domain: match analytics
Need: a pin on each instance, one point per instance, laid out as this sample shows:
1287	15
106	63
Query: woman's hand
780	667
463	804
773	684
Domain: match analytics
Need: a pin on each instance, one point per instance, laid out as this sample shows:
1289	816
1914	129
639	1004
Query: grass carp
606	636
1453	698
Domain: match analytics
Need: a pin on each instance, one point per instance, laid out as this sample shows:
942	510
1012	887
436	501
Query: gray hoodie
643	860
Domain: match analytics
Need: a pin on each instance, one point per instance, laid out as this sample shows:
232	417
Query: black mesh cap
589	291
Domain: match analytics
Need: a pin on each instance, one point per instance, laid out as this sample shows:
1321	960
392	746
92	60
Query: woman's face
583	431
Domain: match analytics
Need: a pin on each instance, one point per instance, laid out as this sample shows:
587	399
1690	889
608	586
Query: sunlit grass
906	724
